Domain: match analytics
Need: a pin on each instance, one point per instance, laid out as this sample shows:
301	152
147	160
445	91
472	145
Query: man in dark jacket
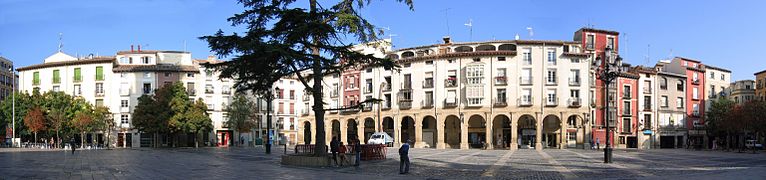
71	143
404	159
358	150
334	144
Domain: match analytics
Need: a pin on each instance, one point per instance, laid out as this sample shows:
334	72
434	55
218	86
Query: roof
456	54
599	31
159	67
761	72
717	68
552	42
688	59
147	52
647	70
94	60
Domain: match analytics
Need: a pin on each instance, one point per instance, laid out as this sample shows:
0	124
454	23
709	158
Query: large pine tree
284	39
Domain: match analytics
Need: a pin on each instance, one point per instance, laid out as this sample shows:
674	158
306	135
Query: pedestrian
598	143
358	150
404	159
334	149
342	153
71	143
499	141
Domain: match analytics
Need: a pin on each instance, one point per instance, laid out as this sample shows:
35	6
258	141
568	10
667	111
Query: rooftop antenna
446	18
671	53
625	36
648	56
184	45
531	32
470	29
61	43
390	37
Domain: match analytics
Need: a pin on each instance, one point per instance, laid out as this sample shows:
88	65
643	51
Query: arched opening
388	127
485	48
452	131
369	128
351	131
306	132
464	49
551	131
527	131
336	129
393	56
429	131
573	131
407	129
501	131
477	131
507	47
408	54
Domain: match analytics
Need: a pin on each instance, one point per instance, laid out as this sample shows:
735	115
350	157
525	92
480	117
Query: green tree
103	122
718	116
148	116
285	38
83	123
240	114
23	105
35	120
198	121
179	103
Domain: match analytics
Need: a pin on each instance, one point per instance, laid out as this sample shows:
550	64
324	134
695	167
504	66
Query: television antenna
470	29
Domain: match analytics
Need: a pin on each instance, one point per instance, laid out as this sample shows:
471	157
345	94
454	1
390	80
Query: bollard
285	148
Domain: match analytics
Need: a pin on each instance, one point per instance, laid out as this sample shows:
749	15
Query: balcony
99	93
191	92
501	80
349	111
574	102
387	87
626	95
551	102
574	82
226	92
500	102
525	101
405	103
208	91
647	90
427	104
525	80
99	77
367	108
452	104
305	112
551	83
696	81
450	82
428	84
695	113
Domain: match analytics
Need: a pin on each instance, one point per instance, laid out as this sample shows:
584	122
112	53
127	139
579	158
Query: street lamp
13	105
380	91
607	72
269	98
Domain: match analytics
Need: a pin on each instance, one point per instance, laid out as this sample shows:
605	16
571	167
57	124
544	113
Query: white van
381	138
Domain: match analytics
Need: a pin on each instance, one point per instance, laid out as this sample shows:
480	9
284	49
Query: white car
752	143
381	138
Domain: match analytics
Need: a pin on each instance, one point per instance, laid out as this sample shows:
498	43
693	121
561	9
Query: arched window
507	47
485	48
464	49
393	56
408	54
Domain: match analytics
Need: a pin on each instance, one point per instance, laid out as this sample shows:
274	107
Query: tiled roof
688	59
600	31
717	68
147	52
159	67
761	72
456	54
94	60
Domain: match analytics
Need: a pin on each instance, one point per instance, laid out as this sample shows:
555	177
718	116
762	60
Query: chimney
139	48
446	40
131	48
210	57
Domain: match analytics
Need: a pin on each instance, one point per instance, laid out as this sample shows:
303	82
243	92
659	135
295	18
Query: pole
13	107
269	98
608	148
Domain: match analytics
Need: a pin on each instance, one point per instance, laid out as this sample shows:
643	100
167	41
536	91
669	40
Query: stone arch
369	128
552	131
501	130
335	132
306	132
464	49
452	129
407	130
527	131
485	47
430	132
388	127
574	131
477	131
507	47
408	54
393	56
351	130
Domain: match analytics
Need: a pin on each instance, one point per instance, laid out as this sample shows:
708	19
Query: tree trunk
35	137
320	148
58	138
196	140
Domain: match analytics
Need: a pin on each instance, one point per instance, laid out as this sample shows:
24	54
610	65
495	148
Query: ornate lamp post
608	72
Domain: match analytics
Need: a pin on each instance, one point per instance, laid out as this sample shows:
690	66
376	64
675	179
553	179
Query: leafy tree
35	121
147	116
104	121
285	39
718	116
754	115
83	122
23	105
241	114
57	119
198	120
179	104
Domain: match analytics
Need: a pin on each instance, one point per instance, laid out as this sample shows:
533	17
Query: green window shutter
77	77
99	73
36	78
56	77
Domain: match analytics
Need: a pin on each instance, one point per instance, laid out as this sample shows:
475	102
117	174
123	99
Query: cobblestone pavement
253	163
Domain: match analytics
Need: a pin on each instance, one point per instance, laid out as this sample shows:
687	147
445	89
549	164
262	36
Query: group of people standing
339	151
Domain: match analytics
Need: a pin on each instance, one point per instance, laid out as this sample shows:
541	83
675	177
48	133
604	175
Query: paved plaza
253	163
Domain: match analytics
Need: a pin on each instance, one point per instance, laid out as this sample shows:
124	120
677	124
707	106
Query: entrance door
120	139
667	141
128	139
632	142
571	139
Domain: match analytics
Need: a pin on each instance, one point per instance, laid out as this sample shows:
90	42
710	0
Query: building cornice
95	60
156	68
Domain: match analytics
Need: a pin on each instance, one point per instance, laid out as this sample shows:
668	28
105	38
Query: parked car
753	144
381	138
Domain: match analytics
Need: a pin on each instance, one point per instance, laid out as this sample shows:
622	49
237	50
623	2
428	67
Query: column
298	133
419	134
587	131
489	135
514	134
562	130
539	132
328	132
344	131
440	133
464	134
313	133
360	130
397	131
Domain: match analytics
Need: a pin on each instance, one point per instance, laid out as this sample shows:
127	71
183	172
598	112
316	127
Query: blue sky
720	33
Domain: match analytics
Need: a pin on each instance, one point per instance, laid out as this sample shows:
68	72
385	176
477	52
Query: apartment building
760	90
461	95
647	96
741	91
8	79
117	81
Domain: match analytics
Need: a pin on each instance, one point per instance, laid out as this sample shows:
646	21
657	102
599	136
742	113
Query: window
292	108
664	101
501	95
145	60
190	75
124	103
527	55
574	77
610	42
56	89
208	73
280	94
77	90
56	76
77	75
574	93
123	60
647	102
589	41
695	93
626	108
552	56
407	65
451	97
680	85
526	76
99	102
551	97
130	60
526	96
723	76
99	88
501	58
167	74
680	102
712	75
407	81
647	121
626	125
451	61
369	70
551	79
664	83
712	91
368	85
292	94
281	108
574	60
429	62
429	99
429	80
476	59
695	109
695	77
99	73
36	78
147	88
626	92
124	119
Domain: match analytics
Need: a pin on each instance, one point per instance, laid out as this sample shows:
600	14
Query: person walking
342	153
71	143
358	150
404	159
598	143
334	149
